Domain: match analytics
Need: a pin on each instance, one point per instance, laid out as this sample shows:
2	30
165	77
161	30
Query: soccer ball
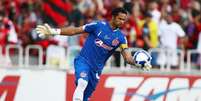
141	57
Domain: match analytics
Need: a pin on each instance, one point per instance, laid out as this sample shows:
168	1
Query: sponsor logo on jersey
115	42
100	43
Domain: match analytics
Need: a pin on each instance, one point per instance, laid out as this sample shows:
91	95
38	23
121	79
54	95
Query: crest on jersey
83	74
115	42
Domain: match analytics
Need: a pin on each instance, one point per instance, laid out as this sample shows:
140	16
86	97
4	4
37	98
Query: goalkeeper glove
45	30
147	66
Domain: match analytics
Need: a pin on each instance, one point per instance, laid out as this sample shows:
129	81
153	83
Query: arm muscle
69	31
127	56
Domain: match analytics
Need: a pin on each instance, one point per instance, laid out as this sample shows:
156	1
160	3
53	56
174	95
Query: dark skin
146	38
169	20
118	21
115	22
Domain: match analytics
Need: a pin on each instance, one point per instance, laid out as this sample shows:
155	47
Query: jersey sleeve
91	27
180	32
123	43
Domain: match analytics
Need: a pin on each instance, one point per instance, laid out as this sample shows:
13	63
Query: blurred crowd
168	24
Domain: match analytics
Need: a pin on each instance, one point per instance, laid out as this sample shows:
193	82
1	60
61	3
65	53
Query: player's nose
121	22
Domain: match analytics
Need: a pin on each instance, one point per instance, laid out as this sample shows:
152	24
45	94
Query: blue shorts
84	71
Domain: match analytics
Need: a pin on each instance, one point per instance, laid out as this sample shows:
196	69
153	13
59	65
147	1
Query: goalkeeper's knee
79	91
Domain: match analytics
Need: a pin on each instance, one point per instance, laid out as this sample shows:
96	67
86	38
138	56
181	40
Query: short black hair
147	14
128	7
195	13
118	10
2	13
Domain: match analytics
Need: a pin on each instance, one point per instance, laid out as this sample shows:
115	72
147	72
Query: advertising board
143	87
32	85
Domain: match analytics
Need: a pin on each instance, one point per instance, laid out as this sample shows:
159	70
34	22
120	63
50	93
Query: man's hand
45	30
147	66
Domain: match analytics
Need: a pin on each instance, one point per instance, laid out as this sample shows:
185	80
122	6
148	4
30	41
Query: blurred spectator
150	35
134	36
176	17
193	31
150	31
153	9
165	6
7	31
169	32
100	6
199	49
194	4
110	4
199	43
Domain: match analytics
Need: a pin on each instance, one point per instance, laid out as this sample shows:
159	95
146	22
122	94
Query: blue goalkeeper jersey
100	43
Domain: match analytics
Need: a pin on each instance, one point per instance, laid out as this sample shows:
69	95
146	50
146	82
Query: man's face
169	19
120	19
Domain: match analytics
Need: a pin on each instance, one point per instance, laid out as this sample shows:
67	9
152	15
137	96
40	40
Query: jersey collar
111	27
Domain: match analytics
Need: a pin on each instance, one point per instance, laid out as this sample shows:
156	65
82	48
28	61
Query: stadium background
35	69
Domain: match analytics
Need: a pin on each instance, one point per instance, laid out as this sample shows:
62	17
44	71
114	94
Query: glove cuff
56	31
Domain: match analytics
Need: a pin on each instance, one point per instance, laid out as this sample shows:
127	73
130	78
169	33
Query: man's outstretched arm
126	53
69	31
127	56
46	30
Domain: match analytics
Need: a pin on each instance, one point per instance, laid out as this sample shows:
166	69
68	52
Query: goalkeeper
103	39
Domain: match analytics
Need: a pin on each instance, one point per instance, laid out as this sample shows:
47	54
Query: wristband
56	31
